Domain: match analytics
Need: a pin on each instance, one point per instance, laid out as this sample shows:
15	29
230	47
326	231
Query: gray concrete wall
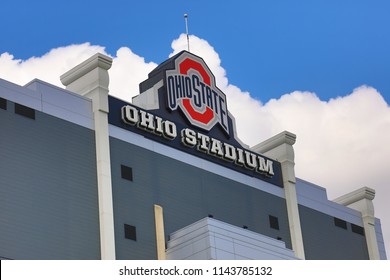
48	197
325	241
48	194
187	195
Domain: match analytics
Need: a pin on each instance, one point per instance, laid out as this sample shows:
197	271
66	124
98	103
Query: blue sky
267	47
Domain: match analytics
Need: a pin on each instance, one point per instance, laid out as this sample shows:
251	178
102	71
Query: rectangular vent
340	223
130	232
127	172
273	222
3	103
24	111
357	229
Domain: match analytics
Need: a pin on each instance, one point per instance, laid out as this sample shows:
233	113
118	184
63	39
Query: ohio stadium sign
181	106
191	86
203	143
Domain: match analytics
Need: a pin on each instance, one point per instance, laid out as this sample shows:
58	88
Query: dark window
24	111
273	222
130	232
3	103
127	172
340	223
357	229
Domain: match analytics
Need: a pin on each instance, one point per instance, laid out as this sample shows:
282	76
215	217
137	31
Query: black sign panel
179	136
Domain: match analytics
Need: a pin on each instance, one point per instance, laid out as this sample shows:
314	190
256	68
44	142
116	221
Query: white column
280	148
90	79
361	200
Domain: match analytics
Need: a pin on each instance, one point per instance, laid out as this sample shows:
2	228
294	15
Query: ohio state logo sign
191	87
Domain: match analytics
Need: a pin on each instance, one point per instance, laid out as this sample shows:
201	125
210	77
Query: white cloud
203	49
342	144
127	71
49	67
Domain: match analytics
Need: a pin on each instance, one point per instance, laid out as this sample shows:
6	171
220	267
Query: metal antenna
188	37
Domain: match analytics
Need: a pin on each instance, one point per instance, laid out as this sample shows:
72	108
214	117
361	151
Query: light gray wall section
323	240
187	194
51	100
379	237
316	198
48	193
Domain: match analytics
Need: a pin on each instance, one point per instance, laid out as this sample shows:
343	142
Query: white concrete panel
223	255
225	244
21	95
224	241
62	98
203	255
193	235
181	253
201	244
250	252
188	248
238	257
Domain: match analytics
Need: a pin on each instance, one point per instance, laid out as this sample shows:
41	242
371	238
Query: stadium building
85	175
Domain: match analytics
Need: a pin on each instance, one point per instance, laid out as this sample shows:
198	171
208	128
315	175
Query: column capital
96	61
90	79
284	137
357	195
